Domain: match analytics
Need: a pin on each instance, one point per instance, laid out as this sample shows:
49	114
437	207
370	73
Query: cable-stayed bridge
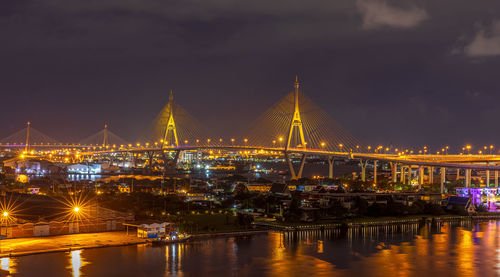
294	127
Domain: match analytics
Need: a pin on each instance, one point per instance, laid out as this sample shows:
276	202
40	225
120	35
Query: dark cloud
379	13
382	69
486	42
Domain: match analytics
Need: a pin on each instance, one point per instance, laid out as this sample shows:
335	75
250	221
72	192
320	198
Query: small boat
173	237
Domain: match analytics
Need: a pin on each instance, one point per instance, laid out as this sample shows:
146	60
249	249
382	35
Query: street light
280	140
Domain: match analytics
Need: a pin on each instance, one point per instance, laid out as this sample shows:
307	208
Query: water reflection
457	249
8	264
77	262
448	249
173	258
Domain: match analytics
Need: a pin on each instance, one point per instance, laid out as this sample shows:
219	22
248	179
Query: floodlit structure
153	230
171	140
488	196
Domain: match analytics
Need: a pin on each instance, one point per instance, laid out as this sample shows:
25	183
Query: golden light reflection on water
77	262
465	257
173	259
449	249
8	264
320	246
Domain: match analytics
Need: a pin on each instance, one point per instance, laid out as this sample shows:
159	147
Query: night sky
391	72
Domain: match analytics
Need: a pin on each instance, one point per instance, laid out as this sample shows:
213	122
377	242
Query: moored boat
172	237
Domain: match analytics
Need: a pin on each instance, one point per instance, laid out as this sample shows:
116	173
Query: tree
433	209
362	206
294	212
244	220
396	208
377	209
336	209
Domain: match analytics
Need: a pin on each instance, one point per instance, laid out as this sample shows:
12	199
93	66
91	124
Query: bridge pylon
105	136
171	125
296	125
28	137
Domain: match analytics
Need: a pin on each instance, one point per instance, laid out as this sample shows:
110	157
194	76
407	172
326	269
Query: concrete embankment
374	222
39	245
65	243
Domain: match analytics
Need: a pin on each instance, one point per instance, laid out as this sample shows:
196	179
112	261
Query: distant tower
105	136
28	137
296	121
171	123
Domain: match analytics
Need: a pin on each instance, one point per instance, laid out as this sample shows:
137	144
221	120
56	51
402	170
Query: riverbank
39	245
66	243
374	221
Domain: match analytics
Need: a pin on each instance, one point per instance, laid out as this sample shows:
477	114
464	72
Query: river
449	249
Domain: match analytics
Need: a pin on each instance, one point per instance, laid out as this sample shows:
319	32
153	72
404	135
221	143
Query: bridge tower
105	135
28	137
171	124
296	123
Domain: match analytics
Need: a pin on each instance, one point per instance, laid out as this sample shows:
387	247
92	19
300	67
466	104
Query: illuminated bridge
293	127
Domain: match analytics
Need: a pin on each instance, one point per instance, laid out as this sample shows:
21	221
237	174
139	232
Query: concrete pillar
363	170
420	176
487	178
375	172
290	166
301	168
178	155
394	168
458	174
331	161
443	178
431	174
467	178
402	173
409	175
496	178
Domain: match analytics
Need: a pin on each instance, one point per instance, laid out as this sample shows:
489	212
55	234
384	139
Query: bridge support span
363	169
496	178
394	170
292	169
467	177
402	171
443	179
331	161
375	171
420	176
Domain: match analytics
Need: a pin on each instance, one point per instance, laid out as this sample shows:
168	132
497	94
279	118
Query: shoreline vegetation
67	243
